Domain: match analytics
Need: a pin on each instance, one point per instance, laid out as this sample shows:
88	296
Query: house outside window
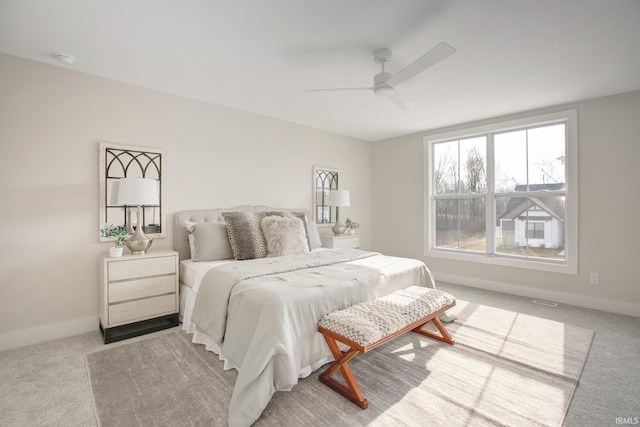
505	193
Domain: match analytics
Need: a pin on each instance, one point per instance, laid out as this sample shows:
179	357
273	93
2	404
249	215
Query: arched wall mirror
324	179
126	161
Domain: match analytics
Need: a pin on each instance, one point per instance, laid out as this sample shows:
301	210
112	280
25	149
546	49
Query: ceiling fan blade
403	103
338	89
440	52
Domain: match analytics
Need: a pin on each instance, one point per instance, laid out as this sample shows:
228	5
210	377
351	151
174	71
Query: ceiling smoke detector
64	58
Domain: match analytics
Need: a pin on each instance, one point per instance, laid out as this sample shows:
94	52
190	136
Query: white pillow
310	227
284	235
208	241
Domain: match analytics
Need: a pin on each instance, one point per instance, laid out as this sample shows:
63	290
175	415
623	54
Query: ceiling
259	55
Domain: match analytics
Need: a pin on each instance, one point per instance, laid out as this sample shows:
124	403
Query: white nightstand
344	241
138	294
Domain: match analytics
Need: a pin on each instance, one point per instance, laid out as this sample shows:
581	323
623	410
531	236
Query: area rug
506	369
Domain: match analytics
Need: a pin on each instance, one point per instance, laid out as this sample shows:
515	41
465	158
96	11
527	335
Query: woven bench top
370	321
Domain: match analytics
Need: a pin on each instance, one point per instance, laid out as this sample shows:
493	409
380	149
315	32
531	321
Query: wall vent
543	302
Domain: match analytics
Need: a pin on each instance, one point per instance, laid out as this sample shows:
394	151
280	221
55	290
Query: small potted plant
350	226
120	236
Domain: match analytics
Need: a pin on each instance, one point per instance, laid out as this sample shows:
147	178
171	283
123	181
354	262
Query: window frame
570	264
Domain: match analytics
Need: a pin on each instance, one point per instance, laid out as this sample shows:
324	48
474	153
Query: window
505	193
535	230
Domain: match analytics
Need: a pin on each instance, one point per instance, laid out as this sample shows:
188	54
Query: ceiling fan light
381	85
384	90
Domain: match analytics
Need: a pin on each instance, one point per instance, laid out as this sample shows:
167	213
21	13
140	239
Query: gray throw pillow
245	234
210	241
313	234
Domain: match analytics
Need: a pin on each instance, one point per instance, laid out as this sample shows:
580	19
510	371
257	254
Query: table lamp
338	198
137	192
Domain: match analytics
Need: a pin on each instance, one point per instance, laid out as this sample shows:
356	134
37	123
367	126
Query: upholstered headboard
181	236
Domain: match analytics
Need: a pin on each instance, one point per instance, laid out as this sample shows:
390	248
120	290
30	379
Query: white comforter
264	313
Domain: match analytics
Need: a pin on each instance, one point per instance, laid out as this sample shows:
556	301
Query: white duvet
263	314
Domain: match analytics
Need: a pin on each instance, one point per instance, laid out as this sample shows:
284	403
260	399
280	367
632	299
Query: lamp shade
339	198
137	191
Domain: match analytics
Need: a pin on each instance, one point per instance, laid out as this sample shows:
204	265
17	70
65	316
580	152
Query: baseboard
611	306
45	333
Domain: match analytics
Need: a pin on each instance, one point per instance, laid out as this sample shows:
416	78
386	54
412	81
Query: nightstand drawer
340	242
141	309
346	242
136	268
141	288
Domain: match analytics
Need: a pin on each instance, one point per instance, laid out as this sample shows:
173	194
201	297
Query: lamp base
338	229
139	247
139	242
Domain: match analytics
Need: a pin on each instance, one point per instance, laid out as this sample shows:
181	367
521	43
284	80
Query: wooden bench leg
444	334
353	392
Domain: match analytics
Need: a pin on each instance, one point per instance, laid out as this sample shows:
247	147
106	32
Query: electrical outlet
594	278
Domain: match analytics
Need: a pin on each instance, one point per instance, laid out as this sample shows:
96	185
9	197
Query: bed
260	315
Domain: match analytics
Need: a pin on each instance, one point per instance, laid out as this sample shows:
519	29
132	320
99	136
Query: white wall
609	239
51	120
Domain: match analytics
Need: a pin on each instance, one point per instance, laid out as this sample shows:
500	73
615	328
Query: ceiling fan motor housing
381	56
381	85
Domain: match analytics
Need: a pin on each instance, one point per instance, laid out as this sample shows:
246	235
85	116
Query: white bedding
265	325
191	272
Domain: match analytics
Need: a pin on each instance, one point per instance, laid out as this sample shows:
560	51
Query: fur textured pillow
245	234
284	235
310	227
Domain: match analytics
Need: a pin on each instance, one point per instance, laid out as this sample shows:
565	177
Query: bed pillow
312	232
209	241
284	235
310	227
245	234
190	226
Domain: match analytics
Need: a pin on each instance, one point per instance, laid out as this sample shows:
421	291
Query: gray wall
609	237
51	121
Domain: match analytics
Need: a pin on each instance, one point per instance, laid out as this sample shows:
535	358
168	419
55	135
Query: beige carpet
506	369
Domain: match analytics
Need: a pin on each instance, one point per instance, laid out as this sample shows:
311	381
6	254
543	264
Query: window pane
547	156
531	226
447	224
446	170
473	228
473	165
460	224
510	153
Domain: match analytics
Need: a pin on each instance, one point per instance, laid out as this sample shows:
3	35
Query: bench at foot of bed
365	326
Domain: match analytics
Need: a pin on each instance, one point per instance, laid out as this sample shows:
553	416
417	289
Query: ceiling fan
384	83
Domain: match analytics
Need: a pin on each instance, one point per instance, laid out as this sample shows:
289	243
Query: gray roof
551	204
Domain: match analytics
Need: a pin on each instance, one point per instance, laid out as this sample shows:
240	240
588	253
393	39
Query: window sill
504	261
